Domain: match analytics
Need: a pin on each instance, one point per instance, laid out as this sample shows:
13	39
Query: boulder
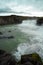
1	33
28	63
30	59
10	37
6	37
9	31
13	19
6	58
39	21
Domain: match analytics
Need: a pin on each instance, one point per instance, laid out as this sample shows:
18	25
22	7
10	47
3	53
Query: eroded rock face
6	58
4	20
6	37
30	59
9	31
39	21
1	33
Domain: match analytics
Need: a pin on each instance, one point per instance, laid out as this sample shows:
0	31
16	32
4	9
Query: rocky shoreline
6	20
14	19
29	59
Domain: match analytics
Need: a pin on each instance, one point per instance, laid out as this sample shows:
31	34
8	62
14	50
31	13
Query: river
28	38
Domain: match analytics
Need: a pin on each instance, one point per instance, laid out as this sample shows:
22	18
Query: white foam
30	27
26	48
35	34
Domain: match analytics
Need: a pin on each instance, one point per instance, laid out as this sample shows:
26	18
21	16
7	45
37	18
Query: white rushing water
35	34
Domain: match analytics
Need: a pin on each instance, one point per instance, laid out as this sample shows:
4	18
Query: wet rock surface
10	37
40	21
6	58
9	31
5	20
15	19
1	33
6	37
30	59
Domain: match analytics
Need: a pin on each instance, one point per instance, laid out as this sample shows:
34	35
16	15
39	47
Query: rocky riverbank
14	19
30	59
5	20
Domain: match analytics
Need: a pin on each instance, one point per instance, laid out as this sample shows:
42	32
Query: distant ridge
15	19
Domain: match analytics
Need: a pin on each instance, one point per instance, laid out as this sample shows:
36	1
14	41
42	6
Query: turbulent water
34	42
21	7
28	38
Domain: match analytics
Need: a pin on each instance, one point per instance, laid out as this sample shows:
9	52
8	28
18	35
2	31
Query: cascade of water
35	34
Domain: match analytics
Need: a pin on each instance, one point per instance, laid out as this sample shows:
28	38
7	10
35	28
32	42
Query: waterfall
35	35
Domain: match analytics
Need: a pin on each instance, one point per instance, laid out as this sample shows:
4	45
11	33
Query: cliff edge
14	19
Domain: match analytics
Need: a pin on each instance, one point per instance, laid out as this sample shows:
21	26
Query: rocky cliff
29	59
14	19
4	20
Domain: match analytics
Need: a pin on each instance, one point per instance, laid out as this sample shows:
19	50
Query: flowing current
28	38
34	42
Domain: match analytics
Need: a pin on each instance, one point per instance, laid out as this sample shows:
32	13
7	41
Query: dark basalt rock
13	19
8	37
6	58
1	33
30	59
28	63
1	52
39	21
9	31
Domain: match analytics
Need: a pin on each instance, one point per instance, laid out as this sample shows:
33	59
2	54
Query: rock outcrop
39	21
30	59
1	33
14	19
5	20
6	58
6	37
